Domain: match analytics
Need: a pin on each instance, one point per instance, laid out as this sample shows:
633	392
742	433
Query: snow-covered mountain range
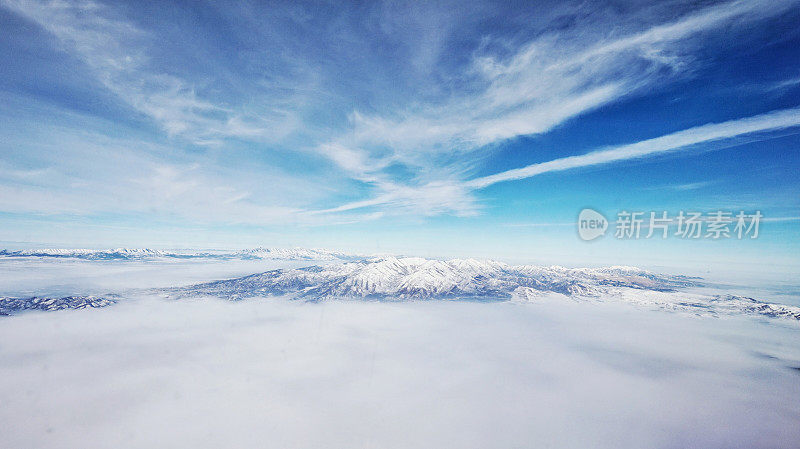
418	278
392	278
9	306
413	278
293	254
151	254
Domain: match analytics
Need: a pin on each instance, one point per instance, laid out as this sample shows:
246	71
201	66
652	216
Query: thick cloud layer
278	373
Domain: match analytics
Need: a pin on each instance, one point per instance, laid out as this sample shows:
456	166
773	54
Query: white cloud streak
550	80
682	140
118	53
685	140
531	89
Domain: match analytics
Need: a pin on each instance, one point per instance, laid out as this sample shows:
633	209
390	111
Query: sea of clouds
151	372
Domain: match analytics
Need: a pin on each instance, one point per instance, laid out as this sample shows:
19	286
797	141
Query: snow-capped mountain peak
415	277
403	278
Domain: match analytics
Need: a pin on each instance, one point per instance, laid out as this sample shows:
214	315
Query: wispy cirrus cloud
785	84
681	140
755	128
549	80
684	187
118	53
64	172
405	130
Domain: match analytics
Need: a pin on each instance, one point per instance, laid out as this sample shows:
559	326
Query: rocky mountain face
10	306
413	278
418	278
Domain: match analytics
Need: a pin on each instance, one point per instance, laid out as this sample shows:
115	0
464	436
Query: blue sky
428	128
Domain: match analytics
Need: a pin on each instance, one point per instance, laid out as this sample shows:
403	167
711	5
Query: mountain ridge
393	278
258	253
414	278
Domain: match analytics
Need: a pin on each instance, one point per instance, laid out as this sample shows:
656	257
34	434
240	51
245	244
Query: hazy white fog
21	276
285	374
